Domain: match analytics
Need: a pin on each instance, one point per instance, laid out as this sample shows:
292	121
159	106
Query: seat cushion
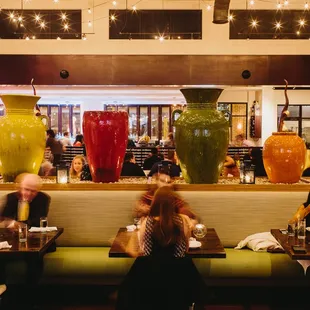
86	265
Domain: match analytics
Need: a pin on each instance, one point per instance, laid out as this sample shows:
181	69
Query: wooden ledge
180	187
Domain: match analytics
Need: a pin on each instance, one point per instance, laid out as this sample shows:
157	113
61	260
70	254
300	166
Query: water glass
301	230
22	232
43	222
200	230
291	229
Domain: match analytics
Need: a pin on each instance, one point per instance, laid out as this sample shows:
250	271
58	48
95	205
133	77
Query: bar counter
303	186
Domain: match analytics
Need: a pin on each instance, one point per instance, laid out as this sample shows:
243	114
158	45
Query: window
269	24
298	120
156	24
237	115
40	24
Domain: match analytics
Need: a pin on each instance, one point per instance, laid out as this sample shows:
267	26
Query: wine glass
200	230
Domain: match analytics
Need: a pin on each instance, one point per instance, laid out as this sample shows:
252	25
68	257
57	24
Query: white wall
215	37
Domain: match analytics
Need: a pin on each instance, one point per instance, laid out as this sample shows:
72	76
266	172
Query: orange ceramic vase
284	155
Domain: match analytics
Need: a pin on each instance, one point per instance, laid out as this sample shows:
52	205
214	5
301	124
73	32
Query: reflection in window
165	117
54	118
154	123
65	121
76	121
133	134
143	121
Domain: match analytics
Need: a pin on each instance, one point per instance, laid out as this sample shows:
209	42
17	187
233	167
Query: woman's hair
79	138
167	230
82	158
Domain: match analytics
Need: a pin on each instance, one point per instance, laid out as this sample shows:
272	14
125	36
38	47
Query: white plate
194	244
308	228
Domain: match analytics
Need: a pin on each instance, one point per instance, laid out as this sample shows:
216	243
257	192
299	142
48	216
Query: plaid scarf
180	246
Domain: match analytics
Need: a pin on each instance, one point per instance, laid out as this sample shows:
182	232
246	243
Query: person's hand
11	224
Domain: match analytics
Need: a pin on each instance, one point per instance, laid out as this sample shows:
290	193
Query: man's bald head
29	185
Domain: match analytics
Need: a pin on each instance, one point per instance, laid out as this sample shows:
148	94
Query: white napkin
42	229
5	245
131	227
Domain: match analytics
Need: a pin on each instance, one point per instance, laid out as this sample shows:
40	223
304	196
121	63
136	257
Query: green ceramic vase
22	137
201	136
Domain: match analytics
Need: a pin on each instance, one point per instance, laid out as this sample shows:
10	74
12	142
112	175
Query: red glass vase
105	136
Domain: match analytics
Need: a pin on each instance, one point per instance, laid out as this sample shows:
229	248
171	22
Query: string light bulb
37	18
89	11
302	22
11	15
58	38
286	2
42	25
20	19
66	27
114	3
84	37
55	1
33	37
209	7
27	38
252	2
134	8
161	39
278	25
112	17
254	23
89	23
279	5
63	16
231	17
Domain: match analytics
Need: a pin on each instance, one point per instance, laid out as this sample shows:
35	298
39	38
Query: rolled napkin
131	227
5	245
42	229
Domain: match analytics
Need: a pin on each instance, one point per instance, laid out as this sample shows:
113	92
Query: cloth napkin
131	227
5	245
42	229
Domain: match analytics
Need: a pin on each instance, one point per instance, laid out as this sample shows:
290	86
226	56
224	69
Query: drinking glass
22	232
43	222
200	230
291	229
301	229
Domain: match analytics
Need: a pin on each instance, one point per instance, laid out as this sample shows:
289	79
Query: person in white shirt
66	141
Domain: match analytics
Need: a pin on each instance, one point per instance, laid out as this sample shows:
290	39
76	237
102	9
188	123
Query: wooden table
287	242
211	245
35	246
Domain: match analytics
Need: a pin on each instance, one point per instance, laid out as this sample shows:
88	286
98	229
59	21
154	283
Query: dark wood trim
155	69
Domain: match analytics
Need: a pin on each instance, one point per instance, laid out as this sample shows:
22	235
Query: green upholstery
84	265
92	265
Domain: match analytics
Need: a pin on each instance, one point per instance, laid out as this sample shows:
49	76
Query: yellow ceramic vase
22	137
284	155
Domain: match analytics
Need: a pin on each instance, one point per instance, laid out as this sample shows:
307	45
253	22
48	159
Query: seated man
36	206
169	162
130	168
26	205
151	160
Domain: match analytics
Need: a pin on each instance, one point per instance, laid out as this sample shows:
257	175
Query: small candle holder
62	174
